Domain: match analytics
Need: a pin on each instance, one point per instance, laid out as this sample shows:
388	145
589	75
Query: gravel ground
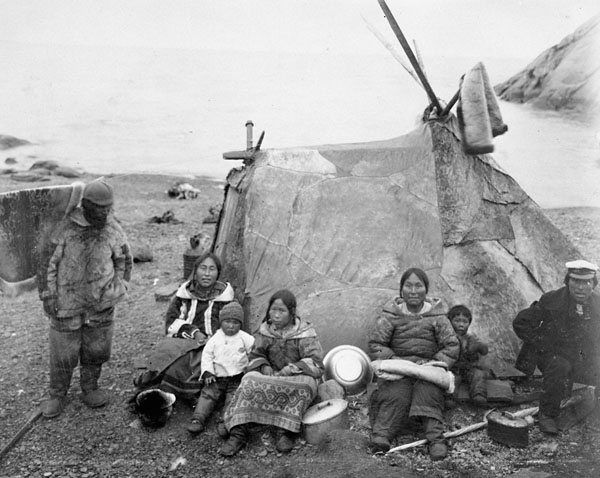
110	443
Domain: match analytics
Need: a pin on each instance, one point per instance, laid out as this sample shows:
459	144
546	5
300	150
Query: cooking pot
324	417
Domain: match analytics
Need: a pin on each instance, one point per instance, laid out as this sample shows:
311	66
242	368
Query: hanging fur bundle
479	115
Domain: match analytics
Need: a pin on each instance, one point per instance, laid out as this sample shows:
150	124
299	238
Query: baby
224	358
471	348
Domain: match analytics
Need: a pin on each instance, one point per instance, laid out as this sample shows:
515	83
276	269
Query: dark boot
237	440
195	426
204	408
285	441
222	431
379	444
53	407
434	433
92	396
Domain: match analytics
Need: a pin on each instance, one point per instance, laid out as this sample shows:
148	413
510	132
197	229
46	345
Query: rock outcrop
565	77
9	142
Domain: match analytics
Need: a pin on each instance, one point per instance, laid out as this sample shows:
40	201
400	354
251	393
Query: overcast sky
504	28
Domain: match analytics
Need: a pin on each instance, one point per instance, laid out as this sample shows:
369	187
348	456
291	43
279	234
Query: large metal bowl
350	367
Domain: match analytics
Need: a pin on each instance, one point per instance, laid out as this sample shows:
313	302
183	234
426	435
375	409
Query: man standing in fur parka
87	275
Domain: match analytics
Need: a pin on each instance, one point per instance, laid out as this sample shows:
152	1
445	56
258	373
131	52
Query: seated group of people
271	378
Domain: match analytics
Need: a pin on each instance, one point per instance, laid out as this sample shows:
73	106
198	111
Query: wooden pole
409	54
450	104
470	428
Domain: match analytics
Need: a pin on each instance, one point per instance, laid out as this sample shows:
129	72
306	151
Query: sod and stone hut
338	224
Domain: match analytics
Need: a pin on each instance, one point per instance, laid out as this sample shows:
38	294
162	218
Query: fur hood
222	292
301	330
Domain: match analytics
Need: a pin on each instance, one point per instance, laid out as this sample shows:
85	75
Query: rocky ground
109	442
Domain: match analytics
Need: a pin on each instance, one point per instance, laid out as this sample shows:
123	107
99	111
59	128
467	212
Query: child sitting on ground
467	367
224	358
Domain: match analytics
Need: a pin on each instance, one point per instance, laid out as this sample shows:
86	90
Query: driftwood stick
392	50
409	54
461	431
24	429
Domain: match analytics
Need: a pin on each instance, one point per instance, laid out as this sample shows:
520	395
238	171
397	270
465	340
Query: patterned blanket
269	400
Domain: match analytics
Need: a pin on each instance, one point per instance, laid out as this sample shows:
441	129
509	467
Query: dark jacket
187	312
294	351
418	338
552	326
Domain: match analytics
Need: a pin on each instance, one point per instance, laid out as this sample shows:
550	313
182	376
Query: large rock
338	224
565	77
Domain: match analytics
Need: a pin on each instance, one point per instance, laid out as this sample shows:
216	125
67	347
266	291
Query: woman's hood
432	306
222	292
301	329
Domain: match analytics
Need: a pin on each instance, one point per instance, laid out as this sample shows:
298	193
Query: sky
468	28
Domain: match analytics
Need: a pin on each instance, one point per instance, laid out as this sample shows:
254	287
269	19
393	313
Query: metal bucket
323	418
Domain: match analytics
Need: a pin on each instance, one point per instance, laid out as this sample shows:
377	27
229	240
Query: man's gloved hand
50	306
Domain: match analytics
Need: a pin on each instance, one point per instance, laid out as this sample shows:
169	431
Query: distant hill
566	77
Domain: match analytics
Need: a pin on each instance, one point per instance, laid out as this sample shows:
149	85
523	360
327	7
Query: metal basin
350	367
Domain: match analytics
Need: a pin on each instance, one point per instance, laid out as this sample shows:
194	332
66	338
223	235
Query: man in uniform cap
562	332
87	273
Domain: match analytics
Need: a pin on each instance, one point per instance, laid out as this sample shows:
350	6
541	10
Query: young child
471	348
224	358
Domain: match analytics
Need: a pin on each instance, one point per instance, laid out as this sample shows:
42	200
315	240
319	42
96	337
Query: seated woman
285	364
411	327
192	317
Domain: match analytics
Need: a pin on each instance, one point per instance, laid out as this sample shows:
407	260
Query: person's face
460	323
94	214
580	289
207	273
230	326
279	315
413	291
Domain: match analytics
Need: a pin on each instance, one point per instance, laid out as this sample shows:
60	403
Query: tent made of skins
338	224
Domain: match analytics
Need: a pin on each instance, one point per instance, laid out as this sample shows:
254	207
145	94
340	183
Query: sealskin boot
379	444
434	432
222	431
195	426
95	398
53	407
237	441
285	441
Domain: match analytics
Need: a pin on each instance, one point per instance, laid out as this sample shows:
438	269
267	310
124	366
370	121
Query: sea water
108	110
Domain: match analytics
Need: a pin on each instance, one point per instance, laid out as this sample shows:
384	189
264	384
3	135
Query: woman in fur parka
411	327
192	317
